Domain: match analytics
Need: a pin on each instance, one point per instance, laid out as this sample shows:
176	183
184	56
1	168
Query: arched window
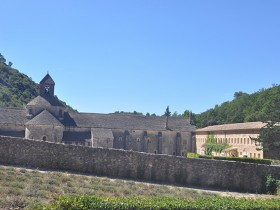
44	138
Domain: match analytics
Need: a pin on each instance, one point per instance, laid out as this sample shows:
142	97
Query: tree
269	138
212	145
167	112
175	114
238	94
10	63
2	59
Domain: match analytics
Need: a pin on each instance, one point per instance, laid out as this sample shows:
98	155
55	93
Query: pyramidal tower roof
44	118
47	80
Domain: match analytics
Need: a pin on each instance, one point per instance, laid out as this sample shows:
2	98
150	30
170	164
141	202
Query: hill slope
17	89
260	106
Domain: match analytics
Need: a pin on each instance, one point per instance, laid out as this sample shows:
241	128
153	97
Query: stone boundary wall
228	175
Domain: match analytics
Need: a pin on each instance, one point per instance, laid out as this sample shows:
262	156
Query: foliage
212	145
192	155
262	106
17	89
167	112
2	59
272	185
239	159
134	113
269	137
86	202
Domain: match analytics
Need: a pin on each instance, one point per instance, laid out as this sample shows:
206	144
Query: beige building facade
237	135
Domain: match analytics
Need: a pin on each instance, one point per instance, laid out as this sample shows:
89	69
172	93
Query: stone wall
135	165
151	141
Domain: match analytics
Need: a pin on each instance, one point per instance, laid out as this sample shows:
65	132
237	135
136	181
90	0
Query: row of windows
254	155
231	140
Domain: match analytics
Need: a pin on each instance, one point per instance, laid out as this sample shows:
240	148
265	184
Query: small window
174	153
88	144
259	155
155	152
60	113
30	111
138	139
120	138
44	138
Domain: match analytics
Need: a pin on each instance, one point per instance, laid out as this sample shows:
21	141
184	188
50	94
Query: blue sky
126	55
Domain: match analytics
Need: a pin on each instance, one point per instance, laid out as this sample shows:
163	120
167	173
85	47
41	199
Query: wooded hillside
16	88
260	106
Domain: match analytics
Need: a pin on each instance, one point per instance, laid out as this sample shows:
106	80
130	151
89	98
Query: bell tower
47	86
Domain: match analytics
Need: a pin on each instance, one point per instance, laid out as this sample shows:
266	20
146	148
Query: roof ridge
44	117
14	108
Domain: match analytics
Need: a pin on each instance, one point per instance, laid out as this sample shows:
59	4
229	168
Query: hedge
85	202
240	159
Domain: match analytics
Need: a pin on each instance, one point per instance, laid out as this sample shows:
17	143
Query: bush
248	160
272	185
93	202
192	155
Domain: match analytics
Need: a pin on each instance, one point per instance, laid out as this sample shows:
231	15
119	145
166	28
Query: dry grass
23	188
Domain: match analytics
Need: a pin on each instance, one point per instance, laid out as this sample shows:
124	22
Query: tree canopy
263	105
17	89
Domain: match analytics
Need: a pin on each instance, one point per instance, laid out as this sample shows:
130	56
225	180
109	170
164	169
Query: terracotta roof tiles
236	126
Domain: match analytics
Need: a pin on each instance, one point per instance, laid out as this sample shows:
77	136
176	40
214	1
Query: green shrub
272	185
93	202
240	159
192	155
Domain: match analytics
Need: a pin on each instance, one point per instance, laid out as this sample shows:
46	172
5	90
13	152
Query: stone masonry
227	175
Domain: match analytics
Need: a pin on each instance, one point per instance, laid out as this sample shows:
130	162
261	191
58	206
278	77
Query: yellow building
236	135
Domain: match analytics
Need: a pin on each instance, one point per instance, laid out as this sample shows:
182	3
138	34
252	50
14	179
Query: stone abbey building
45	118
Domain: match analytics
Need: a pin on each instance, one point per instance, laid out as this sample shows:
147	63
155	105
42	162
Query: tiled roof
129	121
76	135
44	118
20	134
102	133
45	101
47	79
12	116
236	126
88	120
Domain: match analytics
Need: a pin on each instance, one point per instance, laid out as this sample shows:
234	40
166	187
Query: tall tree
167	112
2	59
167	115
269	140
